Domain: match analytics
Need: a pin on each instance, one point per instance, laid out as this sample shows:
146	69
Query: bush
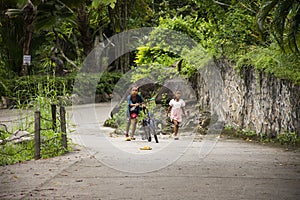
287	139
272	61
51	141
22	89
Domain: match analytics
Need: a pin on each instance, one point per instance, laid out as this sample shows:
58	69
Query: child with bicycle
176	107
135	102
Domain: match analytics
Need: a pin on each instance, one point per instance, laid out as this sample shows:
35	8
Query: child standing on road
133	109
176	106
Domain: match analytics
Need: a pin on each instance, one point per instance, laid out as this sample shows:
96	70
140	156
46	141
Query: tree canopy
59	34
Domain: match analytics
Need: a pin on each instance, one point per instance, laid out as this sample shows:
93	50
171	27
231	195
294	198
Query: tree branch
220	3
67	59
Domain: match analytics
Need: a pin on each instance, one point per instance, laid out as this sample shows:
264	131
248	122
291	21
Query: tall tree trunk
118	18
83	27
29	12
112	13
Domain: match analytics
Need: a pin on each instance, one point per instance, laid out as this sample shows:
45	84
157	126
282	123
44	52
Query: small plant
111	122
288	139
51	144
249	134
14	153
3	89
229	128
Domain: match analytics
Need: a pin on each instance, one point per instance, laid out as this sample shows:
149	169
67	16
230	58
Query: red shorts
133	115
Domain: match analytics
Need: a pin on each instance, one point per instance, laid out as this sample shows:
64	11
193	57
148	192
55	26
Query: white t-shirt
176	111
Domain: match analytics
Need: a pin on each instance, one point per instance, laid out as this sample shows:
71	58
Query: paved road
109	168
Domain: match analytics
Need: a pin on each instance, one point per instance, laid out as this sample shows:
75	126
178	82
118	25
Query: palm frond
262	15
51	14
13	13
45	22
280	16
21	3
98	3
70	3
294	31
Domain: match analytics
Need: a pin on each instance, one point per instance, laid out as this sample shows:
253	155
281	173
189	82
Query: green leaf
13	12
262	15
99	3
293	32
280	17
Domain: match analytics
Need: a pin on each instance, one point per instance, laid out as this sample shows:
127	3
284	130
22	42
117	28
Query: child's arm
133	104
130	103
169	109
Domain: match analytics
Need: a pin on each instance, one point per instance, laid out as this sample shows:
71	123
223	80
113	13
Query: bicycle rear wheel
156	139
154	134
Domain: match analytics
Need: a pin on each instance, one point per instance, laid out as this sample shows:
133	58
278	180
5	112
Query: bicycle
149	125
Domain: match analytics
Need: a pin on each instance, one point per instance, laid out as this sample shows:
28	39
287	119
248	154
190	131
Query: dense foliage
59	34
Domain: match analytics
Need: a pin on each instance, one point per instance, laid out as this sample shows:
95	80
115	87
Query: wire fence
33	137
16	122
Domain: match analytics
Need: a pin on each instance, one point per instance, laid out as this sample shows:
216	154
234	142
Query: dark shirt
137	109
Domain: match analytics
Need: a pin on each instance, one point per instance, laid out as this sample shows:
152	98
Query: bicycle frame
149	126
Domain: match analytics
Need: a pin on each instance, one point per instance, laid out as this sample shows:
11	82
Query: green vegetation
284	139
60	34
50	146
22	89
272	61
51	142
236	30
233	37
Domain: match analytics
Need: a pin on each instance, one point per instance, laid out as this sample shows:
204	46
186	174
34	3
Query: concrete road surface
105	167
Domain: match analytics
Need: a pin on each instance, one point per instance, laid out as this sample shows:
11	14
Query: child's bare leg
128	127
133	127
175	127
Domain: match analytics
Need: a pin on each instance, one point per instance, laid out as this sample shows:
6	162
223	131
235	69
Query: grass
287	140
51	142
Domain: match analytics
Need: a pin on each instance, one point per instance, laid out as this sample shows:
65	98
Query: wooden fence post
53	110
37	137
63	127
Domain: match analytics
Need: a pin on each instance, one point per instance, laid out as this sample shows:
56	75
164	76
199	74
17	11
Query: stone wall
250	99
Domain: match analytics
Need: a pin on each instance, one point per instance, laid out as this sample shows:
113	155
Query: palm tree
11	33
285	17
46	15
28	12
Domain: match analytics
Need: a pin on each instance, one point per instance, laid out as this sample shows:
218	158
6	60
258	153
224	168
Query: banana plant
284	16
